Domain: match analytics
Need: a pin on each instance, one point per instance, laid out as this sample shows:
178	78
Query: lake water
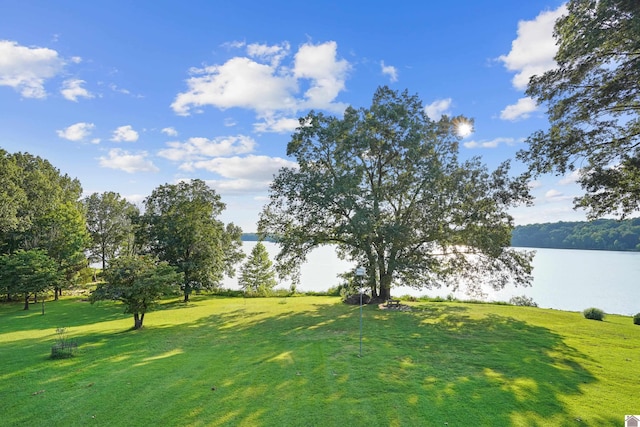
563	279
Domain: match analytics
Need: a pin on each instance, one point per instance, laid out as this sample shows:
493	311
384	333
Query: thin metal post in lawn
359	273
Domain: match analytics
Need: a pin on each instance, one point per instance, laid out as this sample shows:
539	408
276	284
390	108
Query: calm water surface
563	279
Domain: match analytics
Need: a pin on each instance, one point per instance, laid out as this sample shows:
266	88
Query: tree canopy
385	185
601	234
31	191
110	222
28	272
593	101
137	281
180	226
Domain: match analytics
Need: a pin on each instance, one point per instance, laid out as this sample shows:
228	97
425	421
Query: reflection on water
563	279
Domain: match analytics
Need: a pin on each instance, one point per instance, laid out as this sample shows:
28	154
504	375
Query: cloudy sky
127	95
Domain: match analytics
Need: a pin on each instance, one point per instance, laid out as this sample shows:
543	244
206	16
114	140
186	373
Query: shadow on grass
301	367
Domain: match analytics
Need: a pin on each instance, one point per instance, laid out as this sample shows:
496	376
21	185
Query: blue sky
129	95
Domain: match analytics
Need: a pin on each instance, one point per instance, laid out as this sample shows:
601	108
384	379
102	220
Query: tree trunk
55	293
385	287
26	301
187	292
137	320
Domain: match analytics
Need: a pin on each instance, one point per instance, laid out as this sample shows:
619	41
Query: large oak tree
593	101
385	185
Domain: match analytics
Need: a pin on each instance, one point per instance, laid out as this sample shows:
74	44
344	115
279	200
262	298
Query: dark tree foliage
28	273
181	226
601	234
32	190
138	282
593	100
39	209
384	184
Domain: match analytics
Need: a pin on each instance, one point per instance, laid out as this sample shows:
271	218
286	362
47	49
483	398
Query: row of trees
602	234
48	233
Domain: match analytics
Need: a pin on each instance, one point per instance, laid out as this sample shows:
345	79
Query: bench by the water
393	303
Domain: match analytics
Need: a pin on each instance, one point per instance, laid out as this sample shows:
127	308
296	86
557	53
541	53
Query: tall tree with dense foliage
32	190
257	275
110	221
181	226
593	101
28	273
63	234
138	282
385	185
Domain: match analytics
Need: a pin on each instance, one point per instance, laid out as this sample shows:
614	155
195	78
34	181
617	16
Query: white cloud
115	88
254	168
534	184
520	110
128	162
273	54
235	186
571	178
556	196
125	133
327	74
199	148
77	132
27	68
169	131
279	125
240	82
489	144
268	88
437	108
389	70
72	90
532	52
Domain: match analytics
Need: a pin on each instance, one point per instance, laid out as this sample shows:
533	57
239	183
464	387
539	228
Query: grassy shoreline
271	362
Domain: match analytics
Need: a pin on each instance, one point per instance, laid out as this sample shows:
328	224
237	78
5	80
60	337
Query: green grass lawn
295	362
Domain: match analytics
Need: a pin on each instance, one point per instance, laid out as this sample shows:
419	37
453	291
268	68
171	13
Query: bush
523	301
593	313
636	319
64	347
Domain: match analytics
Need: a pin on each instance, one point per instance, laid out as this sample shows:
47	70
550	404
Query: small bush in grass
64	347
523	301
593	313
636	319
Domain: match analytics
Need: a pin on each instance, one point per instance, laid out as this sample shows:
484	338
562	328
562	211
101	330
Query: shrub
636	319
64	347
593	313
523	301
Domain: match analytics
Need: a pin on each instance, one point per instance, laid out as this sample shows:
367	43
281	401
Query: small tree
137	281
257	275
28	272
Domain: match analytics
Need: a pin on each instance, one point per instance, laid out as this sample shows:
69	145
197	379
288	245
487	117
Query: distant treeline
602	234
253	237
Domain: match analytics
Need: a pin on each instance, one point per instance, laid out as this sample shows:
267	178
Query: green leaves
180	226
28	272
257	275
593	101
385	185
137	281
